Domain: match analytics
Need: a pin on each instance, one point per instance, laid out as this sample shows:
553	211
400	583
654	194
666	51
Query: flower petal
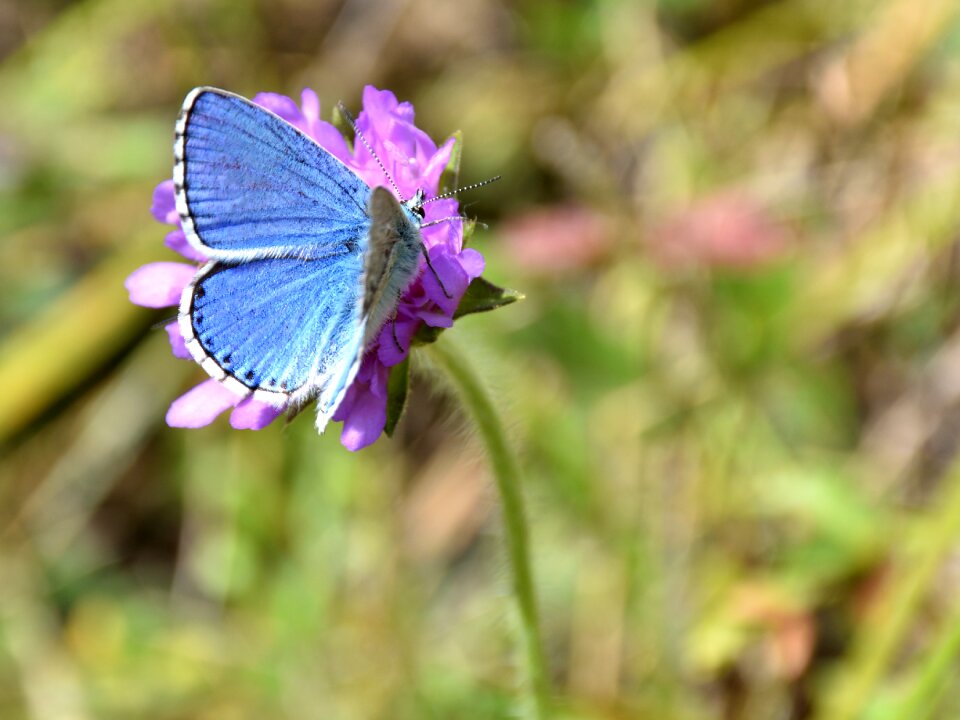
448	207
159	284
393	122
367	416
454	280
177	344
346	405
472	263
378	380
436	319
436	165
448	234
201	405
400	331
177	241
388	126
283	106
310	104
365	423
164	207
252	414
378	107
330	139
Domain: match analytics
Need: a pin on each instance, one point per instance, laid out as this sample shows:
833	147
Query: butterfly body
392	258
305	261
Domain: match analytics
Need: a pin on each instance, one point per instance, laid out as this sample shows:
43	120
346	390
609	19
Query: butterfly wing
250	185
284	329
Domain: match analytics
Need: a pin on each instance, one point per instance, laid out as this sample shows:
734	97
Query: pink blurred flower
557	240
415	162
727	230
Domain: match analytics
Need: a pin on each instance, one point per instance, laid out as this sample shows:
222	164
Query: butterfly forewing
248	184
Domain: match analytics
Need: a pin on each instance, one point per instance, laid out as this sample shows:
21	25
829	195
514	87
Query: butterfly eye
418	209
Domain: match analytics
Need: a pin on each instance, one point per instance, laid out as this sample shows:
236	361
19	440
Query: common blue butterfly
305	261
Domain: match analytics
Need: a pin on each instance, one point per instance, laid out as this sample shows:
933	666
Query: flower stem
506	471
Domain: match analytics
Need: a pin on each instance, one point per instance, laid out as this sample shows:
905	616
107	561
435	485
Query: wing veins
285	145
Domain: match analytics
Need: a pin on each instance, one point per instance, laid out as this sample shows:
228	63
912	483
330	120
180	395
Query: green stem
911	579
506	471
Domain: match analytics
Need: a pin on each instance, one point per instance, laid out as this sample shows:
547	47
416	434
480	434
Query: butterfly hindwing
248	184
285	329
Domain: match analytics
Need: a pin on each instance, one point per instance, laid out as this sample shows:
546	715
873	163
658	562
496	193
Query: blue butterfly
306	261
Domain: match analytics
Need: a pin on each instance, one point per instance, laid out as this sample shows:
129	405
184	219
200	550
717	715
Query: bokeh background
734	383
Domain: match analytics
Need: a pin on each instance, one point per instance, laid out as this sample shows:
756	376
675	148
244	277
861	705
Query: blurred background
734	383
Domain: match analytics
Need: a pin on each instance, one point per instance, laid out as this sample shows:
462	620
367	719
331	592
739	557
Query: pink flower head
557	240
725	230
415	162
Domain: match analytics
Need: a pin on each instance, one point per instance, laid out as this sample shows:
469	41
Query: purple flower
415	162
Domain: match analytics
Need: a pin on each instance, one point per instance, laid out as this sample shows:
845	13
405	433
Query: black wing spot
249	375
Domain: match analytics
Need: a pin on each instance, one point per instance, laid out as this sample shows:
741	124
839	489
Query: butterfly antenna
461	218
160	325
356	130
463	189
448	219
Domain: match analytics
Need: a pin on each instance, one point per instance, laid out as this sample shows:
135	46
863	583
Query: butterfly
306	262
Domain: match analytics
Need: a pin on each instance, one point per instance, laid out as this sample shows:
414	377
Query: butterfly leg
393	325
426	256
293	410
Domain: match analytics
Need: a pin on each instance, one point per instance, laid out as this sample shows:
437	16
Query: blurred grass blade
867	277
71	338
111	430
882	633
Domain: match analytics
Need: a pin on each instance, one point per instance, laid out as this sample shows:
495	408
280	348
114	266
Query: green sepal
426	334
451	173
483	296
397	386
340	122
468	227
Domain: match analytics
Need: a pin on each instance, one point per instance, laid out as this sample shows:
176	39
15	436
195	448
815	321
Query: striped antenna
442	220
356	130
463	189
